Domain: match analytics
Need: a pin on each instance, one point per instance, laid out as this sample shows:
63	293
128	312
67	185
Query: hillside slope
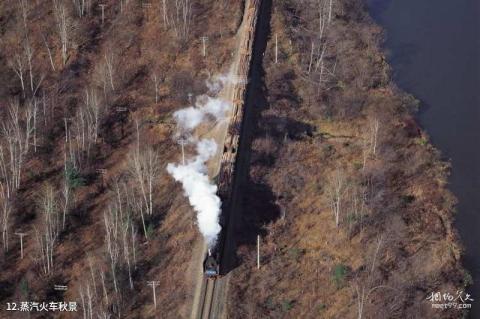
345	189
94	85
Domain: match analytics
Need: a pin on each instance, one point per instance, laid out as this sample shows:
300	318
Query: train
214	255
211	267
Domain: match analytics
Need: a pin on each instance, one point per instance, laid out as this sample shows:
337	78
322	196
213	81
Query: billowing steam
189	118
193	174
200	192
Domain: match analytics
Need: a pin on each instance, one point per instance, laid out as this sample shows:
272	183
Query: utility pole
183	152
204	40
154	284
276	48
258	251
103	12
182	141
21	243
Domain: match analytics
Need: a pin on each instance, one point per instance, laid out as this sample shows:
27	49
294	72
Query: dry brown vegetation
345	188
86	104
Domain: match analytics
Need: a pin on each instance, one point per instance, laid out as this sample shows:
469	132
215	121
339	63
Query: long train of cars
212	261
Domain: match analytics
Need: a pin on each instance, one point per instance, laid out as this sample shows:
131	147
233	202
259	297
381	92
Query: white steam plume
201	194
189	118
193	174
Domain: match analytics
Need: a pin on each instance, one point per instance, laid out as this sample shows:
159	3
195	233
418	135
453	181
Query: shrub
24	289
150	230
295	253
339	274
287	305
321	307
73	176
269	303
467	278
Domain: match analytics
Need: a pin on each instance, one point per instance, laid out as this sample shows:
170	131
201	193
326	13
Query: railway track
206	300
212	297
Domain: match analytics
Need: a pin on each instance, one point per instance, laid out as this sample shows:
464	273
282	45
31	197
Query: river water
434	49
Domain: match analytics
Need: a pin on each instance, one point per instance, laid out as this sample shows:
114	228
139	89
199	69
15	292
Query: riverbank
446	82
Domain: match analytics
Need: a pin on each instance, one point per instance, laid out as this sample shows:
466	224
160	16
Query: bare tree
64	27
155	85
29	55
364	291
109	63
336	191
17	65
82	7
145	167
178	16
318	70
17	128
330	4
358	202
94	305
66	192
112	233
119	238
105	72
6	208
49	53
82	131
30	120
24	13
165	14
374	126
48	235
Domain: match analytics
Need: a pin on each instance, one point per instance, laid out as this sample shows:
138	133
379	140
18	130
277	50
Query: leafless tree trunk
119	240
364	291
29	55
49	53
66	193
165	14
64	26
330	11
179	17
82	301
111	221
374	126
16	128
155	84
6	209
336	193
311	58
48	236
110	69
17	65
82	7
144	166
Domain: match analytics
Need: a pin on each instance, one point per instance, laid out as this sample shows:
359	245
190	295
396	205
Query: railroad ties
213	288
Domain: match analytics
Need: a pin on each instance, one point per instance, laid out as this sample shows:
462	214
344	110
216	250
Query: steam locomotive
211	265
213	257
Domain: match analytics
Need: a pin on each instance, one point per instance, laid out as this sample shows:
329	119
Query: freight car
212	262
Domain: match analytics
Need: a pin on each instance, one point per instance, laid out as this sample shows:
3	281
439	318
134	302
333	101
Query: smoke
201	193
189	118
216	84
193	174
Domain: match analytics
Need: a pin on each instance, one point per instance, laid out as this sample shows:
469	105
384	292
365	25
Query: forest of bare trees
84	195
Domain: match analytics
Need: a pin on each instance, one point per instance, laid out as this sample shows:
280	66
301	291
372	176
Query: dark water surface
434	49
